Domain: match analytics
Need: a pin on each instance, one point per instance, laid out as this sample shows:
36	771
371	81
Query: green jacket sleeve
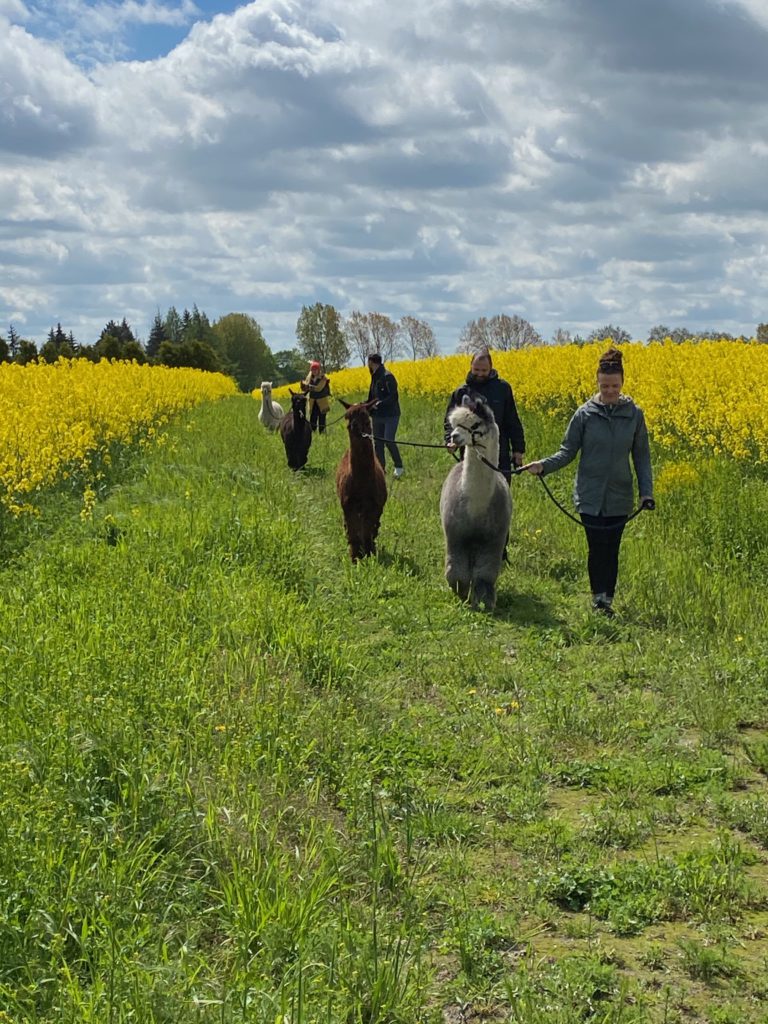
641	457
569	447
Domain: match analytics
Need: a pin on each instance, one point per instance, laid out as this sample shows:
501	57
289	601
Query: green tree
242	344
290	366
5	350
157	336
58	345
108	346
319	333
189	353
27	352
761	334
133	351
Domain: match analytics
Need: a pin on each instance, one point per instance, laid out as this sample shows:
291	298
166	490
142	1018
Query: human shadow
525	609
401	561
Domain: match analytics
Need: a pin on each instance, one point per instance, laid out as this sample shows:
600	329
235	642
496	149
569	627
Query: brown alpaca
360	484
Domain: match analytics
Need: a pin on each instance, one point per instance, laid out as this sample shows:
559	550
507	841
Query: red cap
314	365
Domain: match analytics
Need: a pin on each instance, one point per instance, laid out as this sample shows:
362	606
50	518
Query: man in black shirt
483	380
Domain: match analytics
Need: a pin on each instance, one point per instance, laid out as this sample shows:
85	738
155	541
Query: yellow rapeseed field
702	397
61	418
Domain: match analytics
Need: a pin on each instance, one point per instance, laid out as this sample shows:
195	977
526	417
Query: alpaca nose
456	438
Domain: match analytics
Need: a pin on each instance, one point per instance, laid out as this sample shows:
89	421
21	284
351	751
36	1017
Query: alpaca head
298	404
358	418
266	389
472	423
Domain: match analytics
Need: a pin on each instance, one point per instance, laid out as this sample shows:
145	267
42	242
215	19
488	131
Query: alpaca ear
372	404
347	405
292	393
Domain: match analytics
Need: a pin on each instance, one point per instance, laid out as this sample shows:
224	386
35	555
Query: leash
410	444
647	506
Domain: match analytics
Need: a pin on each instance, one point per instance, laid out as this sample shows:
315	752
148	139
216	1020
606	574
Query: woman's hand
648	504
537	468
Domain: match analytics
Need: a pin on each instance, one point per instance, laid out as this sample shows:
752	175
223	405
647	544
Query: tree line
504	333
235	343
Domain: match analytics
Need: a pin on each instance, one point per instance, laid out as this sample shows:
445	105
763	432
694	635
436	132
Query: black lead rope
647	506
410	444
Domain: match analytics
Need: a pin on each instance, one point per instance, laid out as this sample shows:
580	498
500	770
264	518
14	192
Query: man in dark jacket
483	380
386	412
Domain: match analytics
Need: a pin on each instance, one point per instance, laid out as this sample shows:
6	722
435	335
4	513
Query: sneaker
602	603
399	472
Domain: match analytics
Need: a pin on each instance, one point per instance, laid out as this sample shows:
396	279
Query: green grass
245	780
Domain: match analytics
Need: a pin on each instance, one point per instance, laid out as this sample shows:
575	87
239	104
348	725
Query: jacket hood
475	383
624	403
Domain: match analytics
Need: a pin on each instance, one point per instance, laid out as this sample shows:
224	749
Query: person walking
607	430
385	414
483	380
318	388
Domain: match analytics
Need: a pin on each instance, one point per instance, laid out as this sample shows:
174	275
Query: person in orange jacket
318	389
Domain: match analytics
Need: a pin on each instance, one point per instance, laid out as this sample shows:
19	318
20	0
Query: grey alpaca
475	506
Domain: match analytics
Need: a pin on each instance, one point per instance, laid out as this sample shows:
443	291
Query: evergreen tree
173	325
186	326
157	336
13	342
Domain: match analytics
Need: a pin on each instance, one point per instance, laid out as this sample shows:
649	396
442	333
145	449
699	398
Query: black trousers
317	418
603	546
386	427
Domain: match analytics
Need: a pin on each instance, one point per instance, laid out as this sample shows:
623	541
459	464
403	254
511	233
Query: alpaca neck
361	454
478	479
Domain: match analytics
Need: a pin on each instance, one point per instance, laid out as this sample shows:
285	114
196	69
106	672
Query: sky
575	162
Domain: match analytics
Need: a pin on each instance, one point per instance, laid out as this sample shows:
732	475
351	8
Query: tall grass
245	780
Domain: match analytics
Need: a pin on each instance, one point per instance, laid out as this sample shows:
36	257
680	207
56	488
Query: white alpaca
475	506
270	413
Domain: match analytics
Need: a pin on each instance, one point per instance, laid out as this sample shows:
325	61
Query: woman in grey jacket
607	430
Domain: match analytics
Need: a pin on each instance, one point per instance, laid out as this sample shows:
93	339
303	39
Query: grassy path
244	780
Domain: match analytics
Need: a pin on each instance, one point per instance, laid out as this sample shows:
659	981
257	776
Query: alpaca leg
484	575
371	533
458	572
355	539
483	592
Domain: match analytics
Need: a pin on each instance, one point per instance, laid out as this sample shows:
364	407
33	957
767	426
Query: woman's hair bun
611	362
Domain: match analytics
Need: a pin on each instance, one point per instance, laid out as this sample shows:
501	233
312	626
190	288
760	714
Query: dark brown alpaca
360	484
296	432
